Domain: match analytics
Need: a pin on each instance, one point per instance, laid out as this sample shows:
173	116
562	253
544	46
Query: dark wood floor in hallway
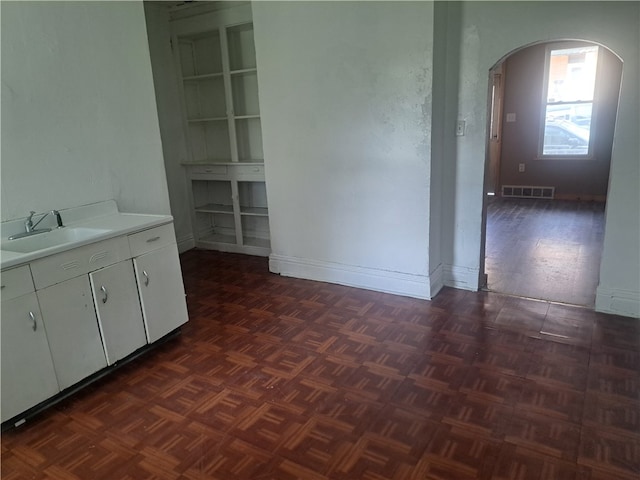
545	249
280	378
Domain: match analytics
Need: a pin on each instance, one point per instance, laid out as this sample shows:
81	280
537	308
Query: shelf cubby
205	98
245	94
221	114
210	141
249	139
200	54
252	197
212	196
242	50
216	227
255	231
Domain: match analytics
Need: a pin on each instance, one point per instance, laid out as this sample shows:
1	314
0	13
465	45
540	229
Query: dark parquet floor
280	378
545	249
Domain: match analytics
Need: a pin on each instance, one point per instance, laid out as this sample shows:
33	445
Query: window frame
544	103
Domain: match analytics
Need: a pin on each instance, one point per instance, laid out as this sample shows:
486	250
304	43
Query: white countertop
103	216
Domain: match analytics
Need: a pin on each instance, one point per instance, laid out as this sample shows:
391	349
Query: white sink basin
50	239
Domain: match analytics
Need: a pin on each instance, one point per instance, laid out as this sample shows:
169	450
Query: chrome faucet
30	227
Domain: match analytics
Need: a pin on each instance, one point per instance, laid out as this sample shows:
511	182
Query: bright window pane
572	74
569	106
565	138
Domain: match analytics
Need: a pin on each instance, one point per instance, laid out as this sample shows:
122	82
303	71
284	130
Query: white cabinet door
116	298
28	376
72	330
161	291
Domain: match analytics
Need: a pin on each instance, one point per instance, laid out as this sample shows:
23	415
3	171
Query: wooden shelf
244	70
218	238
215	208
212	161
209	119
254	211
256	242
193	78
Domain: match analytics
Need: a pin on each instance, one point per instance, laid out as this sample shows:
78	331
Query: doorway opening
547	169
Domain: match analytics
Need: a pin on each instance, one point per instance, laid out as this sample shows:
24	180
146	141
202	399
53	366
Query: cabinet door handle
33	320
146	278
153	239
106	294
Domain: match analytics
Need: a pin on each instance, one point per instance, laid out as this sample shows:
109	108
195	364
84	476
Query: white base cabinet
161	291
72	330
118	308
69	315
28	377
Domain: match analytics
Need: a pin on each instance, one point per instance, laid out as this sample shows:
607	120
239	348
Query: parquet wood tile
556	439
551	351
462	450
550	401
563	375
609	451
616	415
620	383
479	416
280	378
493	386
425	400
519	463
320	441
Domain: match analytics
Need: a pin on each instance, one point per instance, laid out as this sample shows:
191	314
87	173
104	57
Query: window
570	80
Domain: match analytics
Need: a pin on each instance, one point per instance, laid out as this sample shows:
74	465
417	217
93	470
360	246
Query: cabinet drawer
79	261
252	171
208	170
151	239
16	282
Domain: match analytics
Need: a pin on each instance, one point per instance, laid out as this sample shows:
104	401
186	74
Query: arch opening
544	203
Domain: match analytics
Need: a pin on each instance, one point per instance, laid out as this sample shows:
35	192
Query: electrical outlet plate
460	126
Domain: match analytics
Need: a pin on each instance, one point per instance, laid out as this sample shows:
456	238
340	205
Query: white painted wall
445	91
359	191
345	100
490	30
79	121
174	143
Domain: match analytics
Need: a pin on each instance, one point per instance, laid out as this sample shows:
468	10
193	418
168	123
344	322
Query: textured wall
345	97
79	121
488	32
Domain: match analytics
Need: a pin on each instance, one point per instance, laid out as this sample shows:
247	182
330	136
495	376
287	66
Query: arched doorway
547	167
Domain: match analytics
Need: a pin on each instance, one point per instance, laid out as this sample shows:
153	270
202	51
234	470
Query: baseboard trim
618	302
185	243
398	283
464	278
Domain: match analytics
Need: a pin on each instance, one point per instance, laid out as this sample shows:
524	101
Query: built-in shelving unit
218	72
